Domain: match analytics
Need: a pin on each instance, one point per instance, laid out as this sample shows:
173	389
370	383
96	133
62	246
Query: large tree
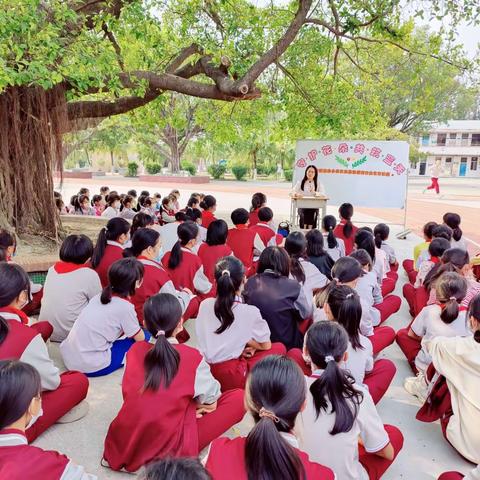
68	63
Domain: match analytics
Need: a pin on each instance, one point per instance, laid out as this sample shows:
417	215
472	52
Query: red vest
207	218
182	276
111	255
350	241
17	340
27	461
229	456
210	255
153	425
154	278
266	233
253	218
241	241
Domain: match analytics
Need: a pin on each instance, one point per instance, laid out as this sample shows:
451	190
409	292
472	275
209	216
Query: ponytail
141	240
176	256
450	310
453	260
328	224
453	221
296	247
451	289
381	232
106	296
326	343
365	239
474	311
112	231
186	232
346	213
4	329
229	275
123	276
378	240
162	314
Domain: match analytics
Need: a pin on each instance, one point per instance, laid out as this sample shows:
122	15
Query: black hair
126	200
217	233
315	178
428	229
296	247
57	194
329	222
96	198
363	257
366	229
192	201
83	191
277	386
325	340
112	198
132	193
123	276
104	189
473	311
142	198
112	231
76	249
180	216
452	260
364	239
144	193
265	214
438	246
19	385
346	269
229	274
192	214
175	469
346	309
442	231
381	233
239	216
451	289
346	213
186	231
7	239
275	259
314	239
79	200
141	240
141	220
258	199
147	203
453	221
208	202
13	281
4	329
162	313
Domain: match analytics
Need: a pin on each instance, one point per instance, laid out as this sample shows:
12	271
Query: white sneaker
417	386
76	413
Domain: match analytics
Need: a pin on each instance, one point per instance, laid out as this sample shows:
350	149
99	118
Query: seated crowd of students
287	329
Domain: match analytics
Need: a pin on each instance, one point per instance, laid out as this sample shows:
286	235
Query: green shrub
190	168
217	171
266	170
132	169
239	171
153	168
288	175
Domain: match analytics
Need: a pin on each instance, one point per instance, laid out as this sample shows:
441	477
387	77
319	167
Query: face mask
307	359
159	256
34	418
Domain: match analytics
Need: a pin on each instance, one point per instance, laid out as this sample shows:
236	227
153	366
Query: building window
447	160
476	139
452	135
442	138
464	136
425	139
474	163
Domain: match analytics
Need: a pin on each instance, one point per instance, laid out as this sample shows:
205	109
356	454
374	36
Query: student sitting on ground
316	253
346	230
265	229
208	206
334	246
259	200
453	221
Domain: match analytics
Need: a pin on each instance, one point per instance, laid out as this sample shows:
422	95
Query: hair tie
160	333
226	272
453	298
264	413
106	228
349	295
329	358
335	279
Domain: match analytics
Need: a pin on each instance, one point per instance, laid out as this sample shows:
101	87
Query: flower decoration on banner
312	155
343	148
301	163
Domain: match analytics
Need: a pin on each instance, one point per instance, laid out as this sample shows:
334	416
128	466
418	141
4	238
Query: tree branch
185	53
116	46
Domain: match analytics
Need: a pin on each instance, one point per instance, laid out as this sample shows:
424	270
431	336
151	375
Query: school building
456	144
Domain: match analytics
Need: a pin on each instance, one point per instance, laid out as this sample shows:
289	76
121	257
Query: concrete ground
425	454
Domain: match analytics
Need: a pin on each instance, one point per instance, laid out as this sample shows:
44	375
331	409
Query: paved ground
425	454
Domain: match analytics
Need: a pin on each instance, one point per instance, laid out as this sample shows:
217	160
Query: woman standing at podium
309	186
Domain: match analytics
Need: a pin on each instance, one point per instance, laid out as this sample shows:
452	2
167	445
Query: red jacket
210	255
265	232
350	241
111	255
183	276
207	218
242	242
253	217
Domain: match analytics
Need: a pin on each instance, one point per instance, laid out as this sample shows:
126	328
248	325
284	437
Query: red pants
230	410
451	476
434	185
380	378
232	373
192	309
390	305
409	295
394	267
72	390
388	285
409	346
392	274
421	299
296	355
376	466
382	337
408	265
43	328
304	325
33	307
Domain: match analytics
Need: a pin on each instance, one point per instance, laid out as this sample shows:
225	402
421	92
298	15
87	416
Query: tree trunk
31	121
175	156
112	159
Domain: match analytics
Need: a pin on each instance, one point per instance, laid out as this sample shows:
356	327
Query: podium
318	201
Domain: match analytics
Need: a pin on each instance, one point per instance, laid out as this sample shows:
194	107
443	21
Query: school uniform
113	252
44	328
207	218
462	244
224	351
155	280
429	325
245	244
335	252
228	455
324	263
68	289
424	270
110	212
60	393
350	241
210	255
267	234
167	216
85	211
380	265
457	359
18	460
388	249
127	213
172	430
282	303
341	452
168	234
88	346
253	217
473	289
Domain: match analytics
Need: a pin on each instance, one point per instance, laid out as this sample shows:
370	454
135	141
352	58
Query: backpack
284	229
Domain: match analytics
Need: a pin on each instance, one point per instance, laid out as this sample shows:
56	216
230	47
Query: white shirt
360	361
247	325
340	452
110	212
336	252
380	265
429	325
168	233
368	289
309	187
462	244
65	295
88	345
